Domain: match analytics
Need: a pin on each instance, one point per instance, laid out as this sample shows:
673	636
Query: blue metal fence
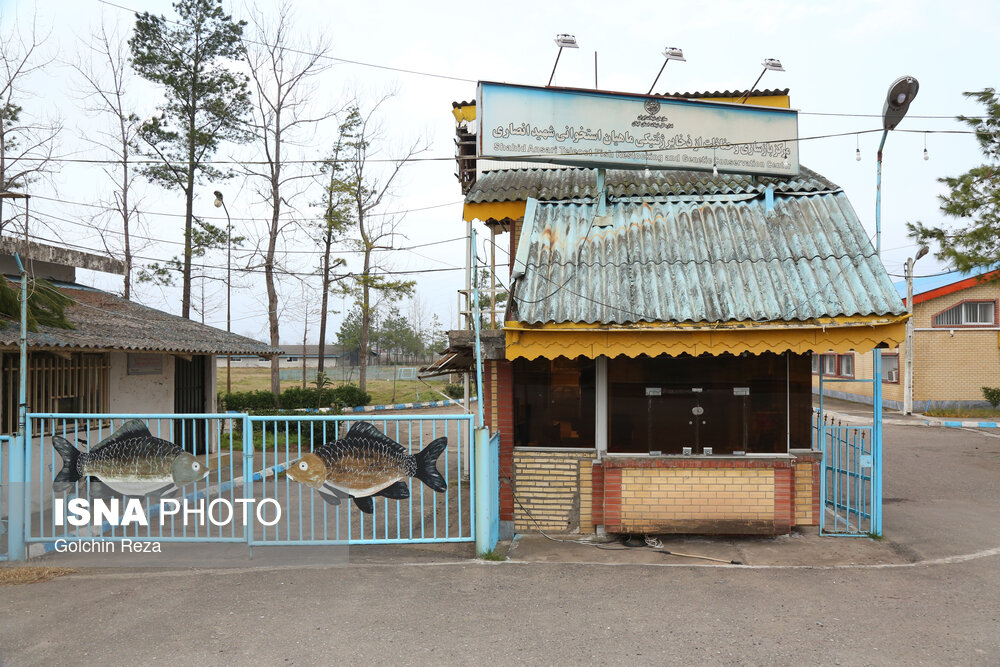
248	458
851	474
5	444
847	480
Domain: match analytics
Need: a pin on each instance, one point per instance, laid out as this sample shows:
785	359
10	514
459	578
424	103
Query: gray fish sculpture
366	463
131	461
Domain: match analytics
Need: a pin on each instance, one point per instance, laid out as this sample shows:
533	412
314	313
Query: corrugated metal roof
923	284
107	322
772	92
700	261
581	184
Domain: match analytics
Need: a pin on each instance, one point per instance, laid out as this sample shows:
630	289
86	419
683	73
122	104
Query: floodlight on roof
772	64
563	41
669	53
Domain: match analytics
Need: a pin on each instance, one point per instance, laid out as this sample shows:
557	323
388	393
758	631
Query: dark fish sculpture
130	461
366	463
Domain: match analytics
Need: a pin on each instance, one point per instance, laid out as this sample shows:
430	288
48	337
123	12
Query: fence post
15	499
485	541
247	441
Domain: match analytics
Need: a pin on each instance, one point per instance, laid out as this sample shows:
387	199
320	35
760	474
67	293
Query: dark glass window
729	403
554	402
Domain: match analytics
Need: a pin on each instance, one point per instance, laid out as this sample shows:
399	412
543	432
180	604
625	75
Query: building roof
929	287
105	322
695	249
707	95
329	352
573	183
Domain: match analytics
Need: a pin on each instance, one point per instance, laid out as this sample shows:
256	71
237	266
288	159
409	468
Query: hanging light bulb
715	167
927	156
646	172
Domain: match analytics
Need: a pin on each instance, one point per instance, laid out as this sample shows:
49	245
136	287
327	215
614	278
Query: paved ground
927	594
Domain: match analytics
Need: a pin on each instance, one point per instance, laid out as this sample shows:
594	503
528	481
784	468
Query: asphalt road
937	602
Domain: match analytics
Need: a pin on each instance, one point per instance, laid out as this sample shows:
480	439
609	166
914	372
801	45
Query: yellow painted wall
654	496
549	486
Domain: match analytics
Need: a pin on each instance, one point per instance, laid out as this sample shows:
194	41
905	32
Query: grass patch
492	555
381	391
12	576
984	414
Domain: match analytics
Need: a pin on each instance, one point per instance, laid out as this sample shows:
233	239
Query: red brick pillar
783	505
505	426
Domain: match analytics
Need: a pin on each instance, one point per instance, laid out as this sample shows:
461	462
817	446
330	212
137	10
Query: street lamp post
219	201
908	373
897	101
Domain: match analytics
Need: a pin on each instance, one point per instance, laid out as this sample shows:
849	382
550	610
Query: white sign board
598	129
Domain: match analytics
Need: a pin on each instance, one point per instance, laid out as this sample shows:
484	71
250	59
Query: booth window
846	362
968	314
890	368
730	403
75	383
554	402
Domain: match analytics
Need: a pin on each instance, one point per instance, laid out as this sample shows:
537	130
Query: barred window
73	383
969	313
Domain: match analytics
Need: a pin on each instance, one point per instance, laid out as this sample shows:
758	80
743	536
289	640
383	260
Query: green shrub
349	396
455	390
247	401
992	395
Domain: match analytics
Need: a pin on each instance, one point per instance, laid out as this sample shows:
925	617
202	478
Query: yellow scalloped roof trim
574	341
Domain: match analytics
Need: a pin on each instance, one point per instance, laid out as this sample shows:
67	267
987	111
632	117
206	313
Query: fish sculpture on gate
366	463
130	461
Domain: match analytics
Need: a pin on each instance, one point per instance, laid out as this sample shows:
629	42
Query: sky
840	59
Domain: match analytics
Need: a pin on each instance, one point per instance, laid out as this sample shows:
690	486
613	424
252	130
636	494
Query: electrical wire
508	158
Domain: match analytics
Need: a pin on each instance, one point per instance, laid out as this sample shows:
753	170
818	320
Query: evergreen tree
207	103
974	198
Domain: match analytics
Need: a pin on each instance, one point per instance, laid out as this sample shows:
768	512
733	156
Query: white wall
150	394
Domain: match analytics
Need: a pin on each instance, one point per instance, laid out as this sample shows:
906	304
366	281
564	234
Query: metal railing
248	458
847	479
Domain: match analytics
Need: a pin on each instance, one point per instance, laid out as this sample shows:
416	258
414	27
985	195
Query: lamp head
897	101
773	64
564	41
673	53
920	253
218	198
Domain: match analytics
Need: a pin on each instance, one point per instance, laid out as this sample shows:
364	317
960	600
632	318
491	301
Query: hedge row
295	398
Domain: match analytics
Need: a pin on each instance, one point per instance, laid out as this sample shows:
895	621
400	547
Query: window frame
961	305
886	355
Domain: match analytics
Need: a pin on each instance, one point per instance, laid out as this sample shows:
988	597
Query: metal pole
878	198
551	76
908	373
479	348
229	292
493	277
17	476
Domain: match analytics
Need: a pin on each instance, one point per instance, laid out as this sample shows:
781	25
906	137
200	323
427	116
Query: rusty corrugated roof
716	259
105	321
573	183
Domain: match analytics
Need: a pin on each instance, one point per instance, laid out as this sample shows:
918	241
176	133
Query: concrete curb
405	406
916	420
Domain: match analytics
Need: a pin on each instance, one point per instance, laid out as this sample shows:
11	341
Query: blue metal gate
851	473
248	458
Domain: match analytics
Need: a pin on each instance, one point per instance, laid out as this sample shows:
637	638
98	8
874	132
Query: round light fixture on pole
897	101
563	41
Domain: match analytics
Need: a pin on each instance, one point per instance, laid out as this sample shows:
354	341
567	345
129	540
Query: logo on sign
652	107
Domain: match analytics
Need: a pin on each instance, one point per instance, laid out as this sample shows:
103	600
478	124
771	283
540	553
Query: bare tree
106	75
282	77
367	190
27	142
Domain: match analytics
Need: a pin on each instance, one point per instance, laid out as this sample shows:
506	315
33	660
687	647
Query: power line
512	158
322	55
239	219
